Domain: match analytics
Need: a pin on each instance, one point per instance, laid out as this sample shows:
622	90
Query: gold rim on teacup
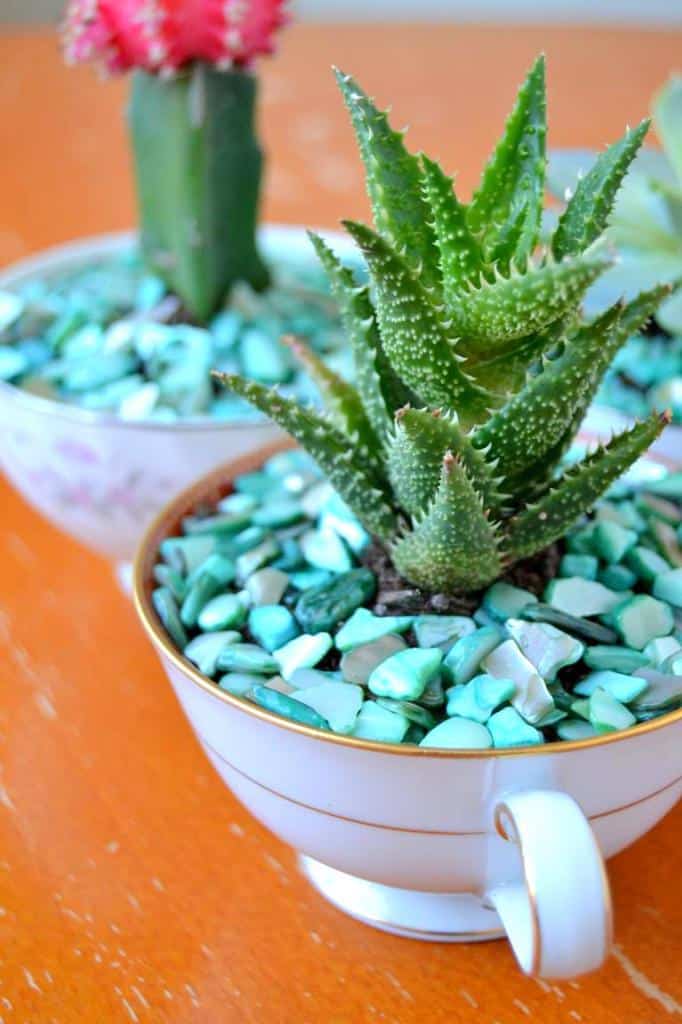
214	486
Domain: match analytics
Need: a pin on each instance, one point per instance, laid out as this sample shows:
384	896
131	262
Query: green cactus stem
198	170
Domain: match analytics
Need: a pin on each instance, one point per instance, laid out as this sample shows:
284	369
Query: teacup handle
558	917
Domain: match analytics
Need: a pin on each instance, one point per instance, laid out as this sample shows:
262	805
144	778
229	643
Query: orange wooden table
133	887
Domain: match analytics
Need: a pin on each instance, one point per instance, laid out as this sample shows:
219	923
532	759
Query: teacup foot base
123	571
429	916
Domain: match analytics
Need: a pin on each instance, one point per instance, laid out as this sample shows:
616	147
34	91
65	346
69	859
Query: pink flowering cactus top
164	35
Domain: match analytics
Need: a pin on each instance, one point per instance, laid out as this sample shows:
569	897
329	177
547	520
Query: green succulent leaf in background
474	366
645	224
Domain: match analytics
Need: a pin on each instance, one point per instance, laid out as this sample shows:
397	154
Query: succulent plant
646	222
473	367
197	159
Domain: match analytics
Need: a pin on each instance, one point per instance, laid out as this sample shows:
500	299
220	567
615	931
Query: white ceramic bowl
100	478
416	841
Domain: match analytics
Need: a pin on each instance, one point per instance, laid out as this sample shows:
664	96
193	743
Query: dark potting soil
395	596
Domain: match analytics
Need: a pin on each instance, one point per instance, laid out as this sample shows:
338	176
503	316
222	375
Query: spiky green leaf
521	304
393	178
340	399
577	490
414	458
348	469
535	419
453	546
506	209
461	260
357	316
413	335
587	212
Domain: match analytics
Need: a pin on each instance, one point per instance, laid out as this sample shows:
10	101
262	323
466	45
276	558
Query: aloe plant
646	222
473	366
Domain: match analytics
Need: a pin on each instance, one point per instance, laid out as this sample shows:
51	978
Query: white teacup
96	476
433	844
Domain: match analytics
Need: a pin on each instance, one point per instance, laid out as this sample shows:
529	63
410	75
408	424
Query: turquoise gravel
268	597
106	337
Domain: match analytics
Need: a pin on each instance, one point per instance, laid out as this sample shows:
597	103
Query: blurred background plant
646	230
645	12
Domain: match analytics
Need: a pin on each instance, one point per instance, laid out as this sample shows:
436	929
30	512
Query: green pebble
664	691
579	597
441	630
586	566
272	626
592	631
322	607
246	658
531	698
611	541
478	698
186	553
579	542
264	358
302	652
575	729
623	687
291	556
458	734
224	523
204	649
238	504
415	712
379	724
508	729
222	611
287	707
278	513
608	714
405	675
205	587
220	567
641	619
363	627
324	549
166	576
463	659
302	678
167	610
503	601
256	558
581	707
547	648
266	586
647	564
248	539
309	579
257	484
668	587
669	486
347	527
338	703
610	657
617	577
415	734
358	664
659	649
673	664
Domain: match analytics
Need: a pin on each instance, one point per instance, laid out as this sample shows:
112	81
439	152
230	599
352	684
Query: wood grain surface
133	887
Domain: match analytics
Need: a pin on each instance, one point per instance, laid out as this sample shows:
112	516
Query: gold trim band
400	828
